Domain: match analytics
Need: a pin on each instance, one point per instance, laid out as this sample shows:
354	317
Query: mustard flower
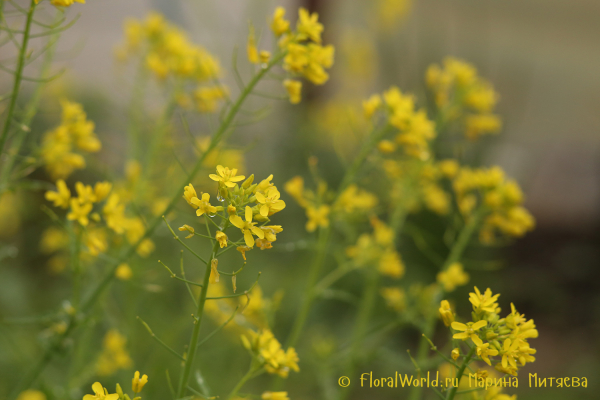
243	250
452	277
63	3
100	393
271	231
264	56
455	353
317	217
483	302
274	396
227	176
484	352
189	193
137	383
371	105
221	238
251	47
123	272
85	193
31	394
186	227
79	212
468	331
270	201
294	89
280	25
390	264
247	227
308	26
204	206
446	313
394	297
61	197
101	190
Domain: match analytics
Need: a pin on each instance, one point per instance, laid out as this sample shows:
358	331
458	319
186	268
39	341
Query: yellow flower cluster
59	145
305	54
452	277
377	249
236	198
267	350
113	213
169	53
63	3
415	130
494	336
352	201
101	393
114	355
501	198
459	91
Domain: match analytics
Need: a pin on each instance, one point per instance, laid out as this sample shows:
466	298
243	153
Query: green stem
309	296
460	373
18	76
455	254
249	375
30	378
28	116
193	347
324	235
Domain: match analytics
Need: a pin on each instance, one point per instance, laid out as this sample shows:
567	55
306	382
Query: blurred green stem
455	254
18	75
29	378
29	114
252	372
325	234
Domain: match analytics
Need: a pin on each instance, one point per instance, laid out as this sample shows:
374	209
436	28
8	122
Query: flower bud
231	210
248	182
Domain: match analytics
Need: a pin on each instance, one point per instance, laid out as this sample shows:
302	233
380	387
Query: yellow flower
271	231
31	394
226	176
455	353
452	277
100	393
85	193
124	272
101	190
137	383
270	202
390	264
79	212
214	272
221	238
189	193
274	396
484	352
186	227
203	205
280	25
243	250
371	105
61	197
317	217
308	26
64	3
264	56
468	331
251	47
294	89
485	302
247	227
207	98
446	313
394	297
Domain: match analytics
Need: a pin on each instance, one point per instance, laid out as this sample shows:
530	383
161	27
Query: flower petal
237	221
248	239
215	177
258	232
248	214
457	326
220	170
264	210
479	324
97	388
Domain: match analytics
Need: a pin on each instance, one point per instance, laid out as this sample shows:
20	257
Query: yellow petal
237	221
260	197
258	232
479	324
220	170
457	326
476	340
248	214
264	210
248	239
97	388
214	177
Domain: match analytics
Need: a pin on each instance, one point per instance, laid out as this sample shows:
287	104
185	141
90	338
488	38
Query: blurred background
543	58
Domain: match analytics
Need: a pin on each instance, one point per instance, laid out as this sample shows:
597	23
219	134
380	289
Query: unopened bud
248	182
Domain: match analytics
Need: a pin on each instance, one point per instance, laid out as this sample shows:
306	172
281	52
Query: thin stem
163	344
219	328
249	375
182	243
29	379
460	373
18	76
455	254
